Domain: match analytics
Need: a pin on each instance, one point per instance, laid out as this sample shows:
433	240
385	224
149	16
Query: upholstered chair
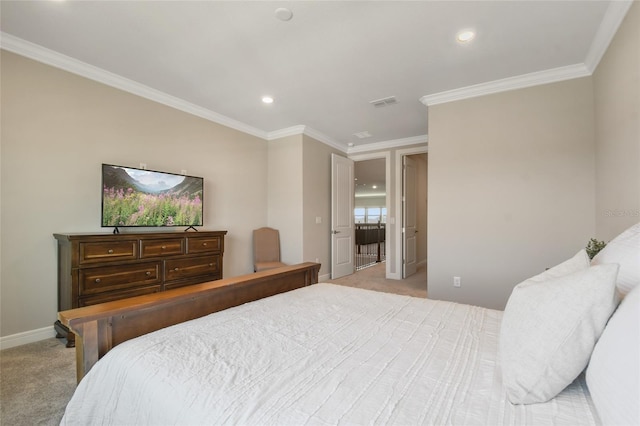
266	249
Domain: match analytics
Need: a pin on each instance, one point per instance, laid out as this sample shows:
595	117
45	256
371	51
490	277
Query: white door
342	228
409	217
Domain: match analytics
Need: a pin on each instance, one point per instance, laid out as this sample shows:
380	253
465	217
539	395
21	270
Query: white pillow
549	329
577	263
625	251
613	374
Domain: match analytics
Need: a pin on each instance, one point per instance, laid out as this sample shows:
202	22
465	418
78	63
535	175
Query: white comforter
321	355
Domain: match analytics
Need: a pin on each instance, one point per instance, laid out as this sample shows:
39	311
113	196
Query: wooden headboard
98	328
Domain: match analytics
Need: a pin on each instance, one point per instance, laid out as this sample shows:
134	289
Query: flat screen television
145	198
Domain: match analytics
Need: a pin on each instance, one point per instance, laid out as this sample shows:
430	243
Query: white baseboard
25	337
323	278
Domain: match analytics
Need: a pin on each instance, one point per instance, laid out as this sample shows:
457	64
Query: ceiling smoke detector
283	14
378	103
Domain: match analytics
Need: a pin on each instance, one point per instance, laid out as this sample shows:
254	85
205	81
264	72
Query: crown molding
327	140
321	137
512	83
614	16
283	133
395	143
50	57
306	130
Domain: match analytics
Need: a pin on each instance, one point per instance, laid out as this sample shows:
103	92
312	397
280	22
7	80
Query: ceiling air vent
379	103
362	135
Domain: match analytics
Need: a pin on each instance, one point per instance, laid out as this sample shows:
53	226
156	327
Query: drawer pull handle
97	280
148	273
211	264
176	269
110	251
204	244
163	247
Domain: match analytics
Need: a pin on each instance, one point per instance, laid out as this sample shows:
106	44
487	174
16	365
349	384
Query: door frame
400	153
386	155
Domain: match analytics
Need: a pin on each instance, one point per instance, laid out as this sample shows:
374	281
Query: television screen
138	197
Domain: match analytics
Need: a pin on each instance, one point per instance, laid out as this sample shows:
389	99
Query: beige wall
285	195
511	179
57	129
616	84
299	180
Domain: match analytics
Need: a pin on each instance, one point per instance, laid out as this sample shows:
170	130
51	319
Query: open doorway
386	275
370	213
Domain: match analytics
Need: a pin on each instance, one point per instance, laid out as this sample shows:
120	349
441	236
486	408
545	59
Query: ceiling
217	59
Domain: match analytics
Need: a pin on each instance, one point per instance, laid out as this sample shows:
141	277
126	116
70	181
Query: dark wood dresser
96	268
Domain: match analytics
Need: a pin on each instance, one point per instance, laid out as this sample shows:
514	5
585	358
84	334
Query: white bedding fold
320	355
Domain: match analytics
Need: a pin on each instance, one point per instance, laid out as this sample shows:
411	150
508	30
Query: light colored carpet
38	379
36	382
373	278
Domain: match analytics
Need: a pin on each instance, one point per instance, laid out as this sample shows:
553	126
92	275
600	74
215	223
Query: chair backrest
266	245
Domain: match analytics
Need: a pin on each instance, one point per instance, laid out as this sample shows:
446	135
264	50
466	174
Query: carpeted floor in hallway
373	278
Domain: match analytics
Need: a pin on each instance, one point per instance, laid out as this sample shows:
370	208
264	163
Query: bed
327	354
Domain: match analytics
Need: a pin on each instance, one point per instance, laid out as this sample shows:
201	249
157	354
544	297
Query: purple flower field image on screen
134	197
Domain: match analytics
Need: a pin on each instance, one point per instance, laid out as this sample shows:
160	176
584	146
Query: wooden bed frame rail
98	328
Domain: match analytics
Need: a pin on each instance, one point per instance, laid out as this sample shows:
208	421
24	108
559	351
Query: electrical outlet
456	281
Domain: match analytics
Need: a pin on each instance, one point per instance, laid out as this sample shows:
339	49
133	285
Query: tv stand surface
97	268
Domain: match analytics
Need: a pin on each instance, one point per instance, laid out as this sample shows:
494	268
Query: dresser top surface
135	235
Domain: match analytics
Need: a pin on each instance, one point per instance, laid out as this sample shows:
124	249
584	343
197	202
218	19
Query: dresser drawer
179	269
157	248
109	251
204	244
121	277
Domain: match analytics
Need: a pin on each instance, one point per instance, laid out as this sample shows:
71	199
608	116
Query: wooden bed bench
98	328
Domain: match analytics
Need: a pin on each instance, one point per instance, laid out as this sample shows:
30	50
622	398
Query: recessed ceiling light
465	36
267	99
